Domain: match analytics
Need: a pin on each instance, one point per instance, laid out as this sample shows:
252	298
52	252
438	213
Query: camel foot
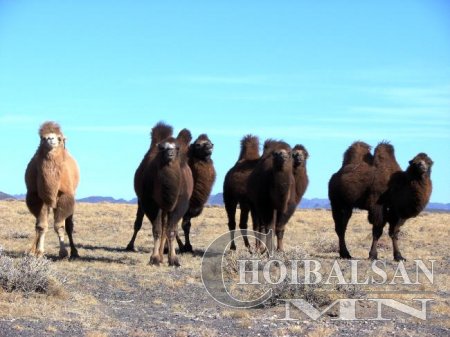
373	257
74	254
398	257
186	249
130	248
345	255
39	253
232	246
173	261
63	253
155	260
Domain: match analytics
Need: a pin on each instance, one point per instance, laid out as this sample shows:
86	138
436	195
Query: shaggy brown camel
235	187
159	132
204	175
409	192
362	182
271	188
300	156
167	188
51	179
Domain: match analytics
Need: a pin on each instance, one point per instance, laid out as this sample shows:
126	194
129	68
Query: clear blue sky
320	73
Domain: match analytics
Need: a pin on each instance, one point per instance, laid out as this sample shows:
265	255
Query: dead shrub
29	274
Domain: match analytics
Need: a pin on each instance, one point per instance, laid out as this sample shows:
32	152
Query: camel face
52	140
203	148
421	163
299	157
281	157
169	151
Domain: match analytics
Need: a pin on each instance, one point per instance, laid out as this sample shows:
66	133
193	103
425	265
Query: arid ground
111	292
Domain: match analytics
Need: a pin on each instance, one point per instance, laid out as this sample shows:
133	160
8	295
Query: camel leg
69	231
341	217
157	231
37	247
230	208
186	225
137	228
163	244
64	208
394	229
269	231
280	235
171	234
243	224
377	231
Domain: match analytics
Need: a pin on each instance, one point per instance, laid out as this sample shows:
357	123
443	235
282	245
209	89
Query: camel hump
49	127
249	148
357	153
184	137
160	131
384	154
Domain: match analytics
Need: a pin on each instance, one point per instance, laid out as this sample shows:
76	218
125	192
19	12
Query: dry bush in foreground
29	274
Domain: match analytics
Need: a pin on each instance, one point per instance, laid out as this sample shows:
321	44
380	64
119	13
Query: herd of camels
175	178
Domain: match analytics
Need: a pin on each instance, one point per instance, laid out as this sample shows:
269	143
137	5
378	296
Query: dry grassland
110	292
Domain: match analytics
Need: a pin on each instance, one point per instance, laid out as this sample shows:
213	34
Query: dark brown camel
409	192
362	182
168	186
271	188
204	175
235	187
159	132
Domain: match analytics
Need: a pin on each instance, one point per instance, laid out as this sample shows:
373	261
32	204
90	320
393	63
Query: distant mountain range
217	200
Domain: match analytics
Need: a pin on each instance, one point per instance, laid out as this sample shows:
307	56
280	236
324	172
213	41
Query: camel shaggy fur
271	189
204	175
300	156
167	188
159	132
235	187
409	192
362	182
51	179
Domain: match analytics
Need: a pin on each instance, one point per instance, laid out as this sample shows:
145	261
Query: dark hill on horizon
217	200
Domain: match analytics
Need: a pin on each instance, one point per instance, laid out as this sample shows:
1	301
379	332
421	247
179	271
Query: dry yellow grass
110	291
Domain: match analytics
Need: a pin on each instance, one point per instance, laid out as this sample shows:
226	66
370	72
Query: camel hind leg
137	227
69	231
230	207
186	226
377	219
341	216
243	224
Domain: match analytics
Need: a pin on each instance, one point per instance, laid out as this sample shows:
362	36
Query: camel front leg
394	230
270	233
157	233
171	234
37	247
64	209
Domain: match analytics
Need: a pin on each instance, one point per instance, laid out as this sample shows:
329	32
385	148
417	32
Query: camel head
202	148
281	155
299	155
421	164
51	136
168	149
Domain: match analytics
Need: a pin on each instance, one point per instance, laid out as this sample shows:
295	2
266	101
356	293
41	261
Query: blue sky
319	73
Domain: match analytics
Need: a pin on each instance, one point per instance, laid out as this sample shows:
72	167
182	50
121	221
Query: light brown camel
51	179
